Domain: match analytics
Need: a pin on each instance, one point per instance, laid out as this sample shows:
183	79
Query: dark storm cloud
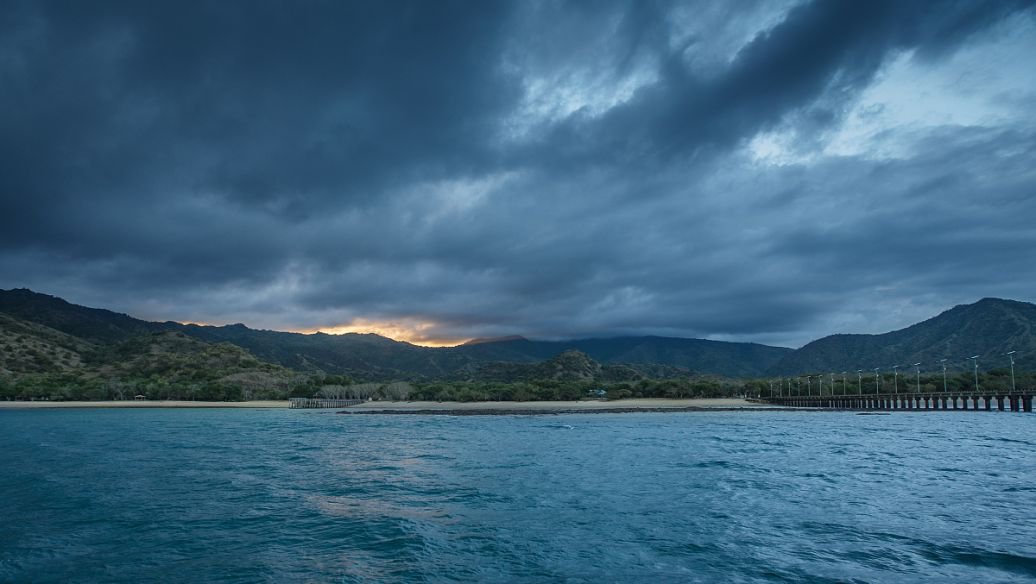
813	62
540	168
267	105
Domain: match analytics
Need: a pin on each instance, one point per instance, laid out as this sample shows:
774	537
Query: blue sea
310	496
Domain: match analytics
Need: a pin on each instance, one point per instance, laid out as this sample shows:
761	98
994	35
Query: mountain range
989	328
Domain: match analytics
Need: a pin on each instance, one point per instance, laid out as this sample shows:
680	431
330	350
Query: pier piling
1019	401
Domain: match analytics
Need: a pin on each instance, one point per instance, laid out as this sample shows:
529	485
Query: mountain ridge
373	357
989	327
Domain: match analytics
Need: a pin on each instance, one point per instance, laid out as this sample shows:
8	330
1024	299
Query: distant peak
483	341
27	293
992	300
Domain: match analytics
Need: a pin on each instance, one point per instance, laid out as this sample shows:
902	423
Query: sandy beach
140	404
543	407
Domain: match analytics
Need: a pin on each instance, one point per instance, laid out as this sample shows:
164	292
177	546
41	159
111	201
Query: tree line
254	385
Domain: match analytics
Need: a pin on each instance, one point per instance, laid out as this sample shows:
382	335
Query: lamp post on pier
859	381
809	386
917	366
1011	355
943	361
974	358
895	378
877	389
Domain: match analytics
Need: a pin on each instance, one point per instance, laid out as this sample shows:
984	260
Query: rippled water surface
289	495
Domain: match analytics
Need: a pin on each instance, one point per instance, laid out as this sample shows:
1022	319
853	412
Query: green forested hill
27	347
988	328
91	324
568	366
37	362
699	355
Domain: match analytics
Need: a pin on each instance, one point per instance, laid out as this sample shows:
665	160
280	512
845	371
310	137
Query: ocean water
311	496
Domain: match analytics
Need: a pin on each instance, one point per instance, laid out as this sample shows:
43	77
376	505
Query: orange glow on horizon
409	331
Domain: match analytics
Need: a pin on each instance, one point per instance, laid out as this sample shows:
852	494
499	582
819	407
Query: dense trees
552	390
66	386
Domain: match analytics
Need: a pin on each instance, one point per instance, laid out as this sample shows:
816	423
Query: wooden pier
311	403
1021	401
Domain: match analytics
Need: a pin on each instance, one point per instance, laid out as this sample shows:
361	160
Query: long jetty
1015	401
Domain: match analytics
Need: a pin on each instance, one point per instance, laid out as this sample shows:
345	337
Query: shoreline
140	404
429	407
497	408
547	412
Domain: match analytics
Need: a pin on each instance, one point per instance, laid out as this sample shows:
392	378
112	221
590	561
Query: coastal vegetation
157	365
554	390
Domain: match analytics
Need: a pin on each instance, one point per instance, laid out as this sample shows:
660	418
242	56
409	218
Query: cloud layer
758	171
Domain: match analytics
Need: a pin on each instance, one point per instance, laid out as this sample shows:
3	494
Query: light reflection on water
270	495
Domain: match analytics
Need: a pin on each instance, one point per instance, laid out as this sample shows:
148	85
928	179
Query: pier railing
1015	401
309	403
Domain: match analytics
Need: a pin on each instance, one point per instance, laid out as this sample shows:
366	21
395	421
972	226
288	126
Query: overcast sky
437	171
